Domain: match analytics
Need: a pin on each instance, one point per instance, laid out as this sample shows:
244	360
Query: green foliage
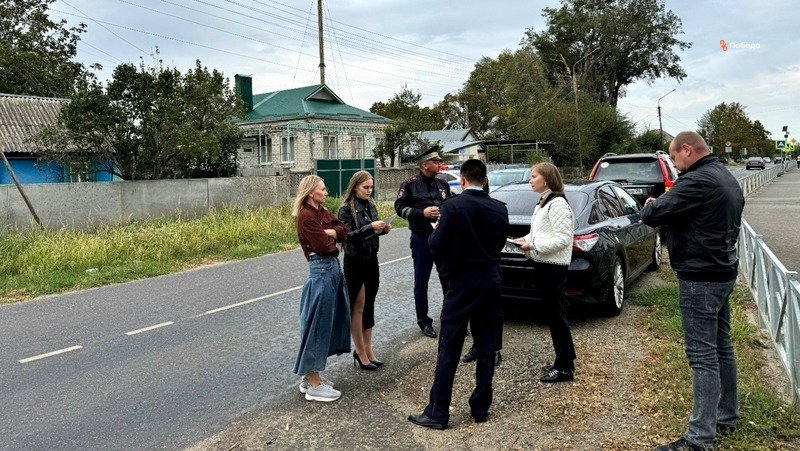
149	123
728	122
610	44
42	262
666	382
405	106
36	54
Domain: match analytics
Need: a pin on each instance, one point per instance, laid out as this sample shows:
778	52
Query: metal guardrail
775	290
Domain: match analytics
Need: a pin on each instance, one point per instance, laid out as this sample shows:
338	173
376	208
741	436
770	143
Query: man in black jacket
466	245
703	215
418	201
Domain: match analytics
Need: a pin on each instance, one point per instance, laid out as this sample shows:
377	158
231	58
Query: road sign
727	143
780	144
728	149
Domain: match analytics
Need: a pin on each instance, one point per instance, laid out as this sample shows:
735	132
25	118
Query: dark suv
642	175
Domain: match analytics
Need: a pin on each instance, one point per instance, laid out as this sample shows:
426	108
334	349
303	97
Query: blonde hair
551	174
307	186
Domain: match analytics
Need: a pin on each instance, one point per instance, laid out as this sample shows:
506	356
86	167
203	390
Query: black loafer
480	419
497	358
470	356
428	331
557	376
425	421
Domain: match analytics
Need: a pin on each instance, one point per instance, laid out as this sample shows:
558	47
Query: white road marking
145	329
395	261
278	293
250	301
50	354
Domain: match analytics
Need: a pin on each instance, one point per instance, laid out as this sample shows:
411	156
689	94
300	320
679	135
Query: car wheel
656	263
616	293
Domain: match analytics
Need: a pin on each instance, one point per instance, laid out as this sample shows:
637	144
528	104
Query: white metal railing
775	289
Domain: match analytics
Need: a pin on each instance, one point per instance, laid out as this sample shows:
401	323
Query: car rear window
630	171
504	178
522	202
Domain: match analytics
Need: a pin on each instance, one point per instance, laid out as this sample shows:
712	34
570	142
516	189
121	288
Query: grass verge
44	262
767	422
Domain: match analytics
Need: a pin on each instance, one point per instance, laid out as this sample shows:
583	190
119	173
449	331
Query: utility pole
19	188
321	44
577	110
660	127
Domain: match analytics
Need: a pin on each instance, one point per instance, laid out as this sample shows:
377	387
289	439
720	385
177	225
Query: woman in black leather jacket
361	272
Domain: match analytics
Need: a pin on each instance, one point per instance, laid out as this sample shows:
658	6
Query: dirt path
595	412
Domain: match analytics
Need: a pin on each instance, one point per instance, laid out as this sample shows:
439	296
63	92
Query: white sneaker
304	383
323	392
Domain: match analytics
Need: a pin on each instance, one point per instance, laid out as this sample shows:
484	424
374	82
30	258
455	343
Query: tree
405	106
501	94
150	123
36	54
398	137
728	122
616	42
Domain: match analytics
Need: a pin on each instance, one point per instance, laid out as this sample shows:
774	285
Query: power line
246	37
304	32
120	37
385	36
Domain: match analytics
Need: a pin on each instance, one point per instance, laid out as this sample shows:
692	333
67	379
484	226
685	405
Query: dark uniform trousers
472	298
423	266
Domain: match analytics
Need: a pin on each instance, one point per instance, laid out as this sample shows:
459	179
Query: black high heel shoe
369	367
377	363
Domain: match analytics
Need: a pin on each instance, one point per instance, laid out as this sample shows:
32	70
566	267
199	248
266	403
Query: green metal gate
337	173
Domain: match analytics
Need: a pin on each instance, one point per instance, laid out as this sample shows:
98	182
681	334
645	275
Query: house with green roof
293	128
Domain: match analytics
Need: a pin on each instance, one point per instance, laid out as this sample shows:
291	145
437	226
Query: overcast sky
374	47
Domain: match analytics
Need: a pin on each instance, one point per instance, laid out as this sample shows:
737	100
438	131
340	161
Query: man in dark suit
466	245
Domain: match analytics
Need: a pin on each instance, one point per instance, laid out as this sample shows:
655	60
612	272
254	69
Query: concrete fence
83	206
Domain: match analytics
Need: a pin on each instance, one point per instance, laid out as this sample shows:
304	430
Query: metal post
19	188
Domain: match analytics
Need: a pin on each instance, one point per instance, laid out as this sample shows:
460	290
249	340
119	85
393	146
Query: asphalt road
165	362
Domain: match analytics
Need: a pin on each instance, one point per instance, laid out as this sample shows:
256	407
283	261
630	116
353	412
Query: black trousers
472	299
550	280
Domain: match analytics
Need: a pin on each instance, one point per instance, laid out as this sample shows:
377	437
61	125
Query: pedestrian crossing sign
780	144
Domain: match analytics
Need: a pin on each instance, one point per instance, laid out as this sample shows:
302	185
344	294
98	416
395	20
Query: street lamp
577	111
660	127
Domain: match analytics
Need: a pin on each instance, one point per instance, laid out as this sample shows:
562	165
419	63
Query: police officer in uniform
466	245
418	201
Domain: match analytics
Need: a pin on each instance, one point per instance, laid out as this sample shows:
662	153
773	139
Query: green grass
665	382
44	262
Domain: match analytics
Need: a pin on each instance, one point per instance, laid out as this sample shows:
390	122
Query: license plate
635	191
511	249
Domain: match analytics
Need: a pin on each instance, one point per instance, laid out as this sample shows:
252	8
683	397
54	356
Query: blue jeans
706	318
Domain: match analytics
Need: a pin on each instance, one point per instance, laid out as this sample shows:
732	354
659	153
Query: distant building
291	129
21	118
458	145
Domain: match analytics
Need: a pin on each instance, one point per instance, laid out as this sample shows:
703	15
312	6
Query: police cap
430	154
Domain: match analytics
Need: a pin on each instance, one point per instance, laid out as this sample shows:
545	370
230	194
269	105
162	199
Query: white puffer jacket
551	235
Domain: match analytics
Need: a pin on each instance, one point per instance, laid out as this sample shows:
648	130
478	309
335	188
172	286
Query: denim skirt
324	316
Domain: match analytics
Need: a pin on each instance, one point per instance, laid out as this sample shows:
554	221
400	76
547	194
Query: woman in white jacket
549	245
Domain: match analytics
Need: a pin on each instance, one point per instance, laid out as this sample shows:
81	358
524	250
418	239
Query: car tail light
584	242
665	173
594	171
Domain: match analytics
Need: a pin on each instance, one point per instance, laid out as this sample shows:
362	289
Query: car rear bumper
583	284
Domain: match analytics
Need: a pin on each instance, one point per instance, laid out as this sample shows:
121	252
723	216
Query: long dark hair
350	195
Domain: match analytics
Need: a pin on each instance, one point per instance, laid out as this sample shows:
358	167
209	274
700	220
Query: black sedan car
755	163
610	249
